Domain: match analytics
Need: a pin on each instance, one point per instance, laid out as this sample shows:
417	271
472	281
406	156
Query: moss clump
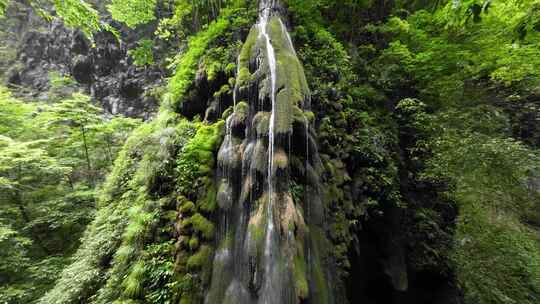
300	278
244	74
290	73
261	123
187	62
209	201
201	259
310	116
193	243
256	227
227	113
197	157
202	225
319	284
283	112
298	115
187	207
241	110
259	159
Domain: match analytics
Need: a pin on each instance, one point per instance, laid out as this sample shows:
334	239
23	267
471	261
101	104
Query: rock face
271	245
105	70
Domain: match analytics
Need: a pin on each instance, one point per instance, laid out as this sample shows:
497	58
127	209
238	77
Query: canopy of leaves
51	157
473	67
133	12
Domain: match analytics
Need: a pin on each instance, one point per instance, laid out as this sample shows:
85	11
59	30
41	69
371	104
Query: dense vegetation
427	115
53	157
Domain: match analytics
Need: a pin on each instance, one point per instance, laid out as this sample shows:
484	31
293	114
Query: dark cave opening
369	283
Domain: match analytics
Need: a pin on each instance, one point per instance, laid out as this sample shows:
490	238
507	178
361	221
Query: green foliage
186	63
338	17
196	158
47	194
529	22
144	53
192	16
496	255
80	14
441	53
133	12
159	265
126	188
14	116
174	25
455	55
3	7
236	15
14	263
61	86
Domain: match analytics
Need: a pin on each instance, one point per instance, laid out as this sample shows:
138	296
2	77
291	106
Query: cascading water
270	249
271	280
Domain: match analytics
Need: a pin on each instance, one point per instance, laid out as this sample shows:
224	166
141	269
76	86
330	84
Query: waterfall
267	251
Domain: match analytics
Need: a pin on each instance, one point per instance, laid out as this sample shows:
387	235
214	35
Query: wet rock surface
104	70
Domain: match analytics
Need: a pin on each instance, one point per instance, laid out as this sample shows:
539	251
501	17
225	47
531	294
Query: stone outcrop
105	70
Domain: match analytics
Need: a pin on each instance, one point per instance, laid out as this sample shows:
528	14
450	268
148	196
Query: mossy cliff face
270	246
227	210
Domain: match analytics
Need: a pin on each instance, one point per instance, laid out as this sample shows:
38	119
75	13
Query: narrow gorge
269	152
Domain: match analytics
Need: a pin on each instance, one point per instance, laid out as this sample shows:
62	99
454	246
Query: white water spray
270	229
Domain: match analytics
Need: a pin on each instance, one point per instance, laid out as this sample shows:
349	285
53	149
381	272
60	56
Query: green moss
244	75
256	227
259	158
291	82
125	253
242	109
290	73
197	157
193	243
202	258
202	225
185	300
256	233
283	108
187	207
310	116
261	123
300	277
319	284
209	202
298	115
227	113
224	90
187	62
139	226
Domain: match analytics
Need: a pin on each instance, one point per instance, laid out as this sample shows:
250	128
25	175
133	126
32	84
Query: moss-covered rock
202	225
261	123
202	258
246	54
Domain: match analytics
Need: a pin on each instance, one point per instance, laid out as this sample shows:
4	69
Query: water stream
264	254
